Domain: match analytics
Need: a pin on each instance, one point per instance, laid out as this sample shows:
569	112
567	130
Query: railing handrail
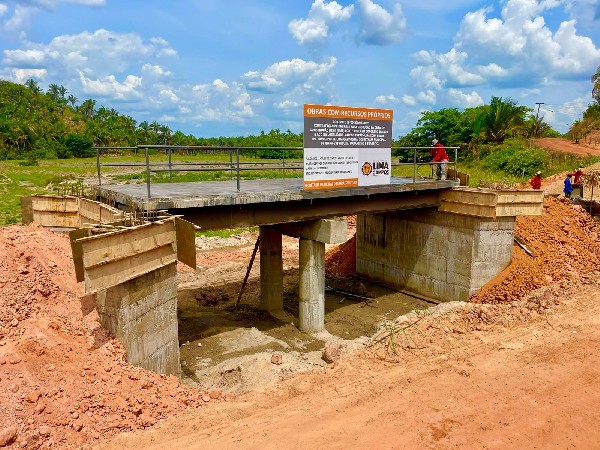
237	165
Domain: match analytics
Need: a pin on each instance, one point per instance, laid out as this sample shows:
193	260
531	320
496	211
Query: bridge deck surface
225	193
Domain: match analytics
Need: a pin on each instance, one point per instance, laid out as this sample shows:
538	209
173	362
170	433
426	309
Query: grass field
56	176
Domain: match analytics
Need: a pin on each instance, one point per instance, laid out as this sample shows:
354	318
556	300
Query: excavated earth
519	366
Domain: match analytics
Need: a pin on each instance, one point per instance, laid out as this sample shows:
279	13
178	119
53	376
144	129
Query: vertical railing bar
237	162
148	172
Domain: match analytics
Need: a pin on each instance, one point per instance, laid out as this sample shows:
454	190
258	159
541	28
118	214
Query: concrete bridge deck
218	204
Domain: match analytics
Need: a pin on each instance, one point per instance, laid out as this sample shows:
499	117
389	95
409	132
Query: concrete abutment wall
142	314
439	255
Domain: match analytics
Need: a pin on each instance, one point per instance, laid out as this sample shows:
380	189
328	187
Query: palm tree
87	108
33	86
72	100
501	118
596	87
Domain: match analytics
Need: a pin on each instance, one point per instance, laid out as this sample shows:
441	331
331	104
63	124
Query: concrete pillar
312	285
271	269
142	314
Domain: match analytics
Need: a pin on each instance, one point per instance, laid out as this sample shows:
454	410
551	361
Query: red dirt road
491	376
567	146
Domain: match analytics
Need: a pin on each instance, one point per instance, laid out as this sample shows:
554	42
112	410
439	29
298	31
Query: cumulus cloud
386	99
155	70
521	41
219	101
378	26
428	97
409	100
109	87
284	75
22	75
464	100
97	54
3	9
53	4
315	29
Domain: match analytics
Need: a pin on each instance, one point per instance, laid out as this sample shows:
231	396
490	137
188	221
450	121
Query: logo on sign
376	168
366	168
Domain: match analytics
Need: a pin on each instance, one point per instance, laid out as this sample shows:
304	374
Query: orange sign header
346	112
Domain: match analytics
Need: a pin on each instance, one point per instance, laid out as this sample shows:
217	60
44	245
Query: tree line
44	125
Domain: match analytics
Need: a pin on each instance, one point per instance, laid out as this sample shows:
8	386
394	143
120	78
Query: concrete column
312	285
271	269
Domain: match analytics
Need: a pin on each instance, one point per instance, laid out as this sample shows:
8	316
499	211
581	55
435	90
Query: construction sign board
346	146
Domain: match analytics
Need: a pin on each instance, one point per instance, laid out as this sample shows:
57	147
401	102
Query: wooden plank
56	219
55	203
125	243
528	196
186	242
77	250
120	271
468	210
519	209
26	209
469	197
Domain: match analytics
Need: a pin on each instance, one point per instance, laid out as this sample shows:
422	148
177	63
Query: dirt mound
64	381
340	261
565	243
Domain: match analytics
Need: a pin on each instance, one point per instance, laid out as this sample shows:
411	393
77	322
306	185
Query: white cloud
20	19
463	100
53	4
378	26
386	99
285	75
3	9
155	70
409	100
169	95
427	97
492	70
522	43
287	105
22	75
315	29
109	87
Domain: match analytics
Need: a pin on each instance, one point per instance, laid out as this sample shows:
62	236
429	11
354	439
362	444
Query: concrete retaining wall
142	314
439	255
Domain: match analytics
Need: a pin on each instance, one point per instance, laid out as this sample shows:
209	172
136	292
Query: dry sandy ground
483	377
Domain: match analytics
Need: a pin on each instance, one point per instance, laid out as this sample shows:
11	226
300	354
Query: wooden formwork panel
490	203
113	258
92	212
50	210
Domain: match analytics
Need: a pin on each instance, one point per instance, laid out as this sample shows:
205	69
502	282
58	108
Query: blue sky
236	67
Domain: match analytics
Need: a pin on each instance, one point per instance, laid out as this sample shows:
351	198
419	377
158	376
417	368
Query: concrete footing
440	255
142	314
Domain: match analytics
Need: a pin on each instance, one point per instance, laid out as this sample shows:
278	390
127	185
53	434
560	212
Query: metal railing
417	157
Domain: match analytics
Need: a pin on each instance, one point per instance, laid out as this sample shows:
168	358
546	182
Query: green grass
225	233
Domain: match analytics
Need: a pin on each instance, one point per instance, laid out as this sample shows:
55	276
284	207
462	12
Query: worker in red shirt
440	157
577	174
536	181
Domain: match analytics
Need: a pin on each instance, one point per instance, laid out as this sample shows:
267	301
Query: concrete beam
328	231
312	285
271	269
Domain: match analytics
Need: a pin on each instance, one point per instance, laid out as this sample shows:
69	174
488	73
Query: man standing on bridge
440	157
